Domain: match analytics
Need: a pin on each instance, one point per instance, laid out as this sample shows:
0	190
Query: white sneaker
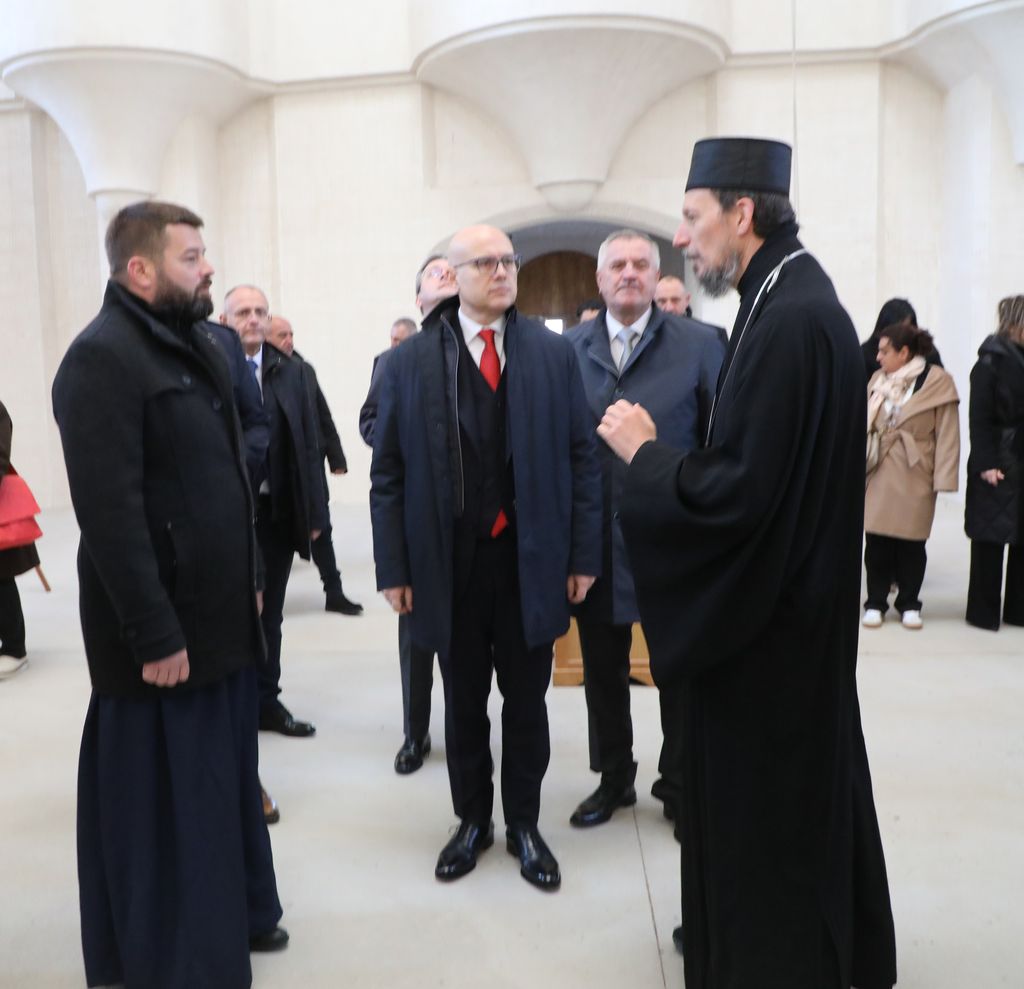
9	665
912	619
872	618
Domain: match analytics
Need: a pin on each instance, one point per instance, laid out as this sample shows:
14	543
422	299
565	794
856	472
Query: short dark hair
906	334
406	322
1011	318
423	267
893	311
771	209
589	304
140	229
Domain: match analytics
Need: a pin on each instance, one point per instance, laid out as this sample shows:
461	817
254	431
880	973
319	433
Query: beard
717	281
178	305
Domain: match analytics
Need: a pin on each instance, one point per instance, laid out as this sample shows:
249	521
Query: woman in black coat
993	513
893	311
12	562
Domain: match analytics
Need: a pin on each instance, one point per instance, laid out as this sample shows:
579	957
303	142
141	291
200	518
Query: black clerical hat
747	163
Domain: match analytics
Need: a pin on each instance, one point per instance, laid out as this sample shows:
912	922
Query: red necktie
490	368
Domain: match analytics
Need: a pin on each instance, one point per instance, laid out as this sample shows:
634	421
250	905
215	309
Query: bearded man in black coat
746	558
175	874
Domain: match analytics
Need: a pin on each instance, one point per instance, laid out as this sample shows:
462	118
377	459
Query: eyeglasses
438	272
489	265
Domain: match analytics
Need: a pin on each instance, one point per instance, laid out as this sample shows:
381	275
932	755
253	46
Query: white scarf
893	388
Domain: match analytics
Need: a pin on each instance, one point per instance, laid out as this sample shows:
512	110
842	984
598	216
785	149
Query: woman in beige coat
913	453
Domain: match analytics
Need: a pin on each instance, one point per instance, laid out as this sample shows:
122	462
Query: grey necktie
627	336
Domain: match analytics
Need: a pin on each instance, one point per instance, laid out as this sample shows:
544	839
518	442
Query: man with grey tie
631	350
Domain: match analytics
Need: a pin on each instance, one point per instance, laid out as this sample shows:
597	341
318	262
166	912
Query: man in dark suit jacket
290	506
435	282
176	877
670	364
282	336
486	512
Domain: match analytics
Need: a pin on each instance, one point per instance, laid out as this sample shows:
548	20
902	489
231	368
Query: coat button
618	393
186	379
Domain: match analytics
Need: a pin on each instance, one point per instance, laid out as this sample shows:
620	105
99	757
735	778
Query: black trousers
12	619
488	638
175	869
322	548
278	549
984	590
888	560
605	650
417	669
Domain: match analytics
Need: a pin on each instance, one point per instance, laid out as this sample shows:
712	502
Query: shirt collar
257	359
471	329
614	326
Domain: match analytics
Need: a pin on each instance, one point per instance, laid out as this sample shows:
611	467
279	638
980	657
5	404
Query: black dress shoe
536	863
280	719
602	803
459	856
336	601
411	755
677	938
274	940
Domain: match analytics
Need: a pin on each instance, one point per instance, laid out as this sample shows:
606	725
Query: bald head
281	335
486	271
671	296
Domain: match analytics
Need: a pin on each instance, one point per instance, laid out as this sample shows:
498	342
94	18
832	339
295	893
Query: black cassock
746	556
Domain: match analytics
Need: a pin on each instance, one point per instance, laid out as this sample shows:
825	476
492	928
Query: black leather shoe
280	719
274	940
411	755
601	804
677	939
336	601
536	863
459	856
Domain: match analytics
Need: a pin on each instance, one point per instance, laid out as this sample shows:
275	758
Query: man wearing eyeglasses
486	507
435	282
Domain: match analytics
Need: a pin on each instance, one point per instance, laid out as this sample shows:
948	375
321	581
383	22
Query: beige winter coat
920	455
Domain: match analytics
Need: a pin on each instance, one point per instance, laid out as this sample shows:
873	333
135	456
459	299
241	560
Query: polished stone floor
356	845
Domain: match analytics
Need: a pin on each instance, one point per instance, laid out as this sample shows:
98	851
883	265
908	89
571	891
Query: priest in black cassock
746	556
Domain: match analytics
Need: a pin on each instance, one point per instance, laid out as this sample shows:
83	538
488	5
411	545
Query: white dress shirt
614	326
475	342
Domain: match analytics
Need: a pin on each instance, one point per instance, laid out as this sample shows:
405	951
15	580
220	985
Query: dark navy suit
426	443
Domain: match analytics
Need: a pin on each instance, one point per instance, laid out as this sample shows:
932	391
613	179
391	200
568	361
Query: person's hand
339	470
168	671
314	535
400	598
993	476
626	427
577	587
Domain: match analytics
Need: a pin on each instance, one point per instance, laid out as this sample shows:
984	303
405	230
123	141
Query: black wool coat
417	477
328	440
156	465
746	557
992	513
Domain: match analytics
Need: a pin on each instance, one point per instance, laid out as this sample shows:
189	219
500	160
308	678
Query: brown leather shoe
271	813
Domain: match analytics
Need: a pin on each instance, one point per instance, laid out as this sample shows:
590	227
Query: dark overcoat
296	464
417	481
746	556
156	464
327	436
672	373
992	513
21	558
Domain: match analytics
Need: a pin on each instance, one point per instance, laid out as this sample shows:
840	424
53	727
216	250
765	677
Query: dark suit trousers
986	585
322	548
417	668
12	619
278	549
487	635
605	650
